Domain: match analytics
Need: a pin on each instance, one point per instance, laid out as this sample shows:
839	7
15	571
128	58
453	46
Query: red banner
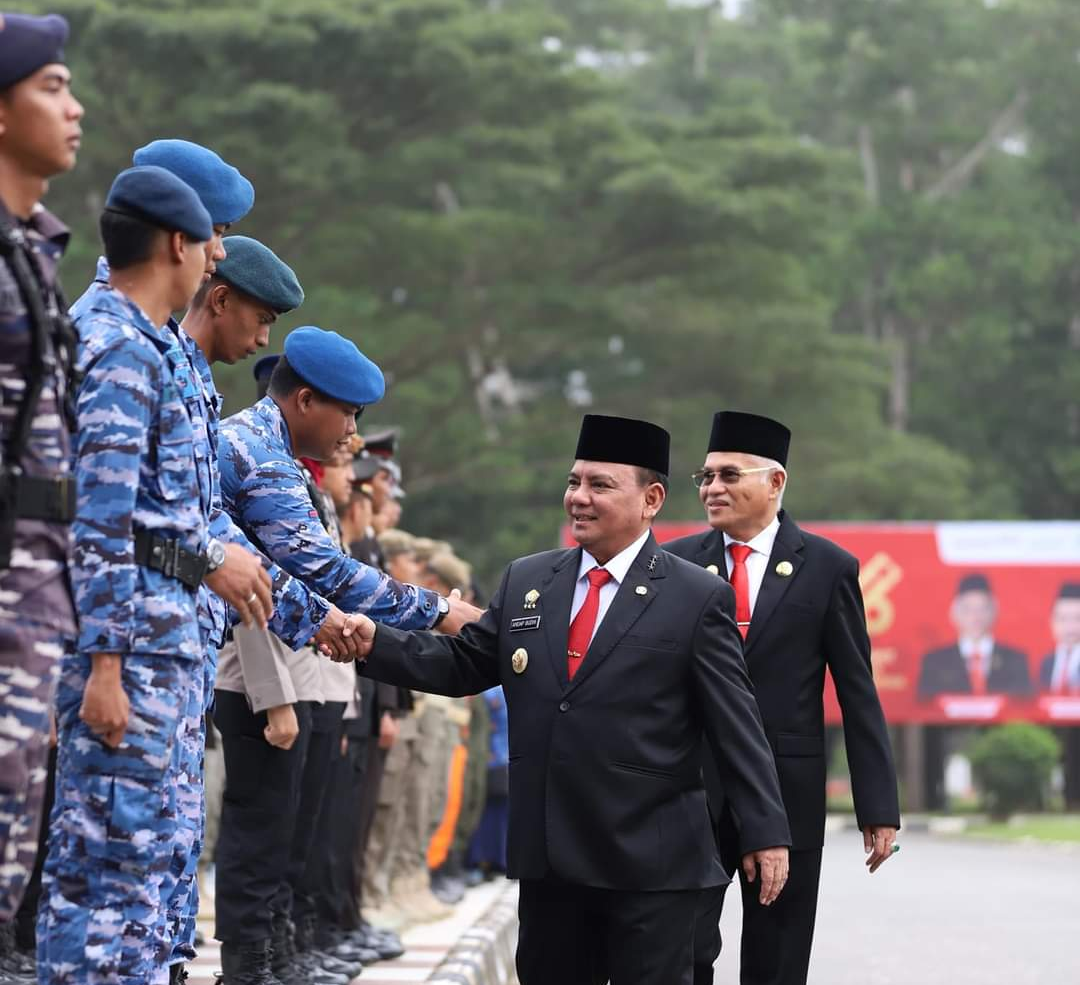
1006	647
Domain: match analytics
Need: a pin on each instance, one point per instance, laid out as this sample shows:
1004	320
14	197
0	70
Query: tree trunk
899	349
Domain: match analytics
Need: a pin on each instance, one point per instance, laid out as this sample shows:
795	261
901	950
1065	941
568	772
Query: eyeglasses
728	475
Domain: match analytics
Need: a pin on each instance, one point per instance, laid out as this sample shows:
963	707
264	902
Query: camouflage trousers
29	657
113	829
180	890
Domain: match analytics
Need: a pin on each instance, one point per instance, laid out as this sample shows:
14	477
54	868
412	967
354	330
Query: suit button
564	706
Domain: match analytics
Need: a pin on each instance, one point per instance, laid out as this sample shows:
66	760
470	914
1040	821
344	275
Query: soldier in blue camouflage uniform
298	614
39	134
316	391
141	536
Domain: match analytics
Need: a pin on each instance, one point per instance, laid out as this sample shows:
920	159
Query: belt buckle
167	552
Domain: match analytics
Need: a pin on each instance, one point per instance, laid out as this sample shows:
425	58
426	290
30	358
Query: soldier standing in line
222	325
39	138
141	535
316	391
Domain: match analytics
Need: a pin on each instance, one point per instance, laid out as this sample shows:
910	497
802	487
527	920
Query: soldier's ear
219	298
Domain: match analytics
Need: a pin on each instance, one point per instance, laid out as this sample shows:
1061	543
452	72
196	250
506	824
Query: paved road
941	913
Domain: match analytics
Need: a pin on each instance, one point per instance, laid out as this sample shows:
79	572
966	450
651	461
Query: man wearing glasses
799	610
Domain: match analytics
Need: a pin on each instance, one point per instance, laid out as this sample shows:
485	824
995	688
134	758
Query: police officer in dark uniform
39	138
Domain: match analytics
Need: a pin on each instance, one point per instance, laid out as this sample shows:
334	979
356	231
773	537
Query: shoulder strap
13	250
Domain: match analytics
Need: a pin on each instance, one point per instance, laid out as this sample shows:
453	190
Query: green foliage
1012	765
526	209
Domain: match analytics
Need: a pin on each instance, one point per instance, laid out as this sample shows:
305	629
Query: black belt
167	555
38	498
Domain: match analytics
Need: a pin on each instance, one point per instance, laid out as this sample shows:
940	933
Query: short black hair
285	381
128	239
205	288
648	476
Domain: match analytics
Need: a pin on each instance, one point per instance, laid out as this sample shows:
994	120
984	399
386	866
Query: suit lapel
711	551
787	547
625	609
556	597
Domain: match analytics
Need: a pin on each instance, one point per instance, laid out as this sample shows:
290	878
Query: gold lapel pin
641	590
784	569
532	596
520	660
712	569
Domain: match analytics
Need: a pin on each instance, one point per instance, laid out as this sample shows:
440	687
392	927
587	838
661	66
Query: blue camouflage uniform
265	492
37	615
115	819
298	614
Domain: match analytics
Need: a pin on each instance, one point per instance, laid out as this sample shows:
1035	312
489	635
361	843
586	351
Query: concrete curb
484	955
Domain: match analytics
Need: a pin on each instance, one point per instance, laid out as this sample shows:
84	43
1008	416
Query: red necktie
976	672
581	629
740	581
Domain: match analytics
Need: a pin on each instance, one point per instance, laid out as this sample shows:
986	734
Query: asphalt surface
941	912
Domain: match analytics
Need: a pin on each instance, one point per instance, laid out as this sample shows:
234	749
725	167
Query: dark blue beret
226	193
161	198
256	270
264	367
29	43
333	365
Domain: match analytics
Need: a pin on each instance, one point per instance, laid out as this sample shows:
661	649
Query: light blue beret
333	365
161	198
256	270
226	193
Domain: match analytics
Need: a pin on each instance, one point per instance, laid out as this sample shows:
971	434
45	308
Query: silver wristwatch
215	555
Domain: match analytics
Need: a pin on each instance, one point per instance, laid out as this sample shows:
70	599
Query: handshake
344	637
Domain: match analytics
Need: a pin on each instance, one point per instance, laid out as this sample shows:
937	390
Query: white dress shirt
757	561
1066	670
981	649
617	567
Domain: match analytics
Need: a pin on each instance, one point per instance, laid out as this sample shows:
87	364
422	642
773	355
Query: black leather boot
297	969
246	964
177	974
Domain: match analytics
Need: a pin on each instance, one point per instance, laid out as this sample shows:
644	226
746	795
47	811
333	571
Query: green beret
256	270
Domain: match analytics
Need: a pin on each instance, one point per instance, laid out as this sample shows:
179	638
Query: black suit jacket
944	671
802	623
605	770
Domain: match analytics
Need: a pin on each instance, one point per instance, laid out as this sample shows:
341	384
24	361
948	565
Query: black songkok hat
751	434
624	441
973	583
28	43
1070	590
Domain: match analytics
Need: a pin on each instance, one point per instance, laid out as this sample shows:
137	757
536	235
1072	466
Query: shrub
1012	766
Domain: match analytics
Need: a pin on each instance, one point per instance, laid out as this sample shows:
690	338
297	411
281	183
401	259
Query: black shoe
246	964
447	888
349	967
385	943
337	944
177	974
294	967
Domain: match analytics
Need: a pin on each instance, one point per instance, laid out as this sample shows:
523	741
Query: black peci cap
751	434
624	441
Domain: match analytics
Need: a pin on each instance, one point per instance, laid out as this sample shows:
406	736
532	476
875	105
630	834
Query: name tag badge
523	623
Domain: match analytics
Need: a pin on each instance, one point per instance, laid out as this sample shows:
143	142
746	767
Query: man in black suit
976	663
617	660
800	610
1059	672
